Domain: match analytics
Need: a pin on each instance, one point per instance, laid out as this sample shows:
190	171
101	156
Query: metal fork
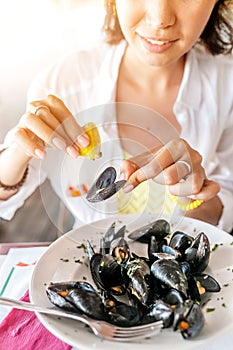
100	328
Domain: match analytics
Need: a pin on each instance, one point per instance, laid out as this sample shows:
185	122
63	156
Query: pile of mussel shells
168	284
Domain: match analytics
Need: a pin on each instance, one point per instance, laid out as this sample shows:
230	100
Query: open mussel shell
77	297
105	186
207	282
120	313
189	319
181	241
198	254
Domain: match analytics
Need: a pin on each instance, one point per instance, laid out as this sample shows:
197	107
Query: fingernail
39	153
128	188
192	196
83	140
73	152
59	143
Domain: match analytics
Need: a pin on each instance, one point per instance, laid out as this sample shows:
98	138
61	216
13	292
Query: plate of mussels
151	269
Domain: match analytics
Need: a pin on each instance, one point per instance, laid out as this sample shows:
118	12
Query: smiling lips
157	42
156	45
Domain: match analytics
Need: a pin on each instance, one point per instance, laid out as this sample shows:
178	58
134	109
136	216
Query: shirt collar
191	88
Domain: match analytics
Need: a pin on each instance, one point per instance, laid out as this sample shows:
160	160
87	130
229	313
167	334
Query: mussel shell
159	228
198	254
173	297
110	237
54	293
124	315
193	319
161	311
120	313
104	187
77	297
88	302
120	250
180	241
139	275
208	282
170	273
107	274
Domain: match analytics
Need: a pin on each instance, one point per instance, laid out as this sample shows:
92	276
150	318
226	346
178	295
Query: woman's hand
48	122
176	165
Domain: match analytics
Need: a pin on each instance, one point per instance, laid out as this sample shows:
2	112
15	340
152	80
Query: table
16	265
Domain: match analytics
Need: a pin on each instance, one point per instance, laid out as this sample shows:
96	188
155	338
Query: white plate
59	263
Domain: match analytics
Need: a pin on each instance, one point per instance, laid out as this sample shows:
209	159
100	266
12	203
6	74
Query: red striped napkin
23	330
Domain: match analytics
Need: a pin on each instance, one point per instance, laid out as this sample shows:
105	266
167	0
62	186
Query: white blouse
86	82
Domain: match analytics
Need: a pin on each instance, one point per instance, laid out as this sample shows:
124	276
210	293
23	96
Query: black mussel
138	272
180	241
193	289
159	228
57	293
155	246
120	313
120	251
198	254
173	297
105	186
206	283
189	319
107	274
87	300
77	297
170	274
111	237
162	311
106	240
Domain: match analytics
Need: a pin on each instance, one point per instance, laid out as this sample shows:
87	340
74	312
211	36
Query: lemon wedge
93	150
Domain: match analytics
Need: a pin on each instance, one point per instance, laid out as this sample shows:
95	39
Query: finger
44	113
127	169
190	186
70	125
208	191
29	143
162	159
173	174
43	131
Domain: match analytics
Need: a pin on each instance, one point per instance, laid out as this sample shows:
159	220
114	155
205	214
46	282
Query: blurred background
33	35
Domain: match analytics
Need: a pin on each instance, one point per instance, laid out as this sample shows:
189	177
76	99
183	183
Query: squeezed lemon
93	150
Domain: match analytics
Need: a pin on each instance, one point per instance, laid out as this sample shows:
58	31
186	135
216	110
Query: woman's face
161	31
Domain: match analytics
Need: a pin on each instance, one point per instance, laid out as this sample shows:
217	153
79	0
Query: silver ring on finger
37	108
188	166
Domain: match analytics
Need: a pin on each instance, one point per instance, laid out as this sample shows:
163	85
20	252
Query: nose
160	13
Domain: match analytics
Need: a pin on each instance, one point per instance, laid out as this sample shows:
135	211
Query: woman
152	66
